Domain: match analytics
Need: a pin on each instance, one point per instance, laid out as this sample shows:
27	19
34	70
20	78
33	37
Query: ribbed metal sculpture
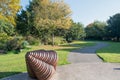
41	64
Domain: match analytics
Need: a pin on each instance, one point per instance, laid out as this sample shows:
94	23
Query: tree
22	21
96	30
114	27
50	15
8	10
76	32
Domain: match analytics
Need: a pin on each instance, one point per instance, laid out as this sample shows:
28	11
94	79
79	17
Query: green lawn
110	53
11	64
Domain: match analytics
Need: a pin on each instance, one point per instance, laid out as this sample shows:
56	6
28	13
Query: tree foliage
22	21
6	27
51	14
113	27
96	30
43	17
8	10
76	32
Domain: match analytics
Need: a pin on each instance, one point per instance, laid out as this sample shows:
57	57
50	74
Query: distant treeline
48	22
109	30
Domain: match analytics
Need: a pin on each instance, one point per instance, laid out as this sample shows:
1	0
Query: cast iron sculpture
41	64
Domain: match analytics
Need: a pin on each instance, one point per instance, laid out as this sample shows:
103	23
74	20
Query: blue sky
87	11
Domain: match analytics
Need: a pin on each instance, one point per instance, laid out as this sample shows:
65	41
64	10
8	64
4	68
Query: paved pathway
85	66
87	54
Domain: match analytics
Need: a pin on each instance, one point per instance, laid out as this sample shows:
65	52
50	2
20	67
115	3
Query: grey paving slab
83	58
90	71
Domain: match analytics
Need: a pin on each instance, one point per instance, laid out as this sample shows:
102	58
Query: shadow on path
4	74
91	49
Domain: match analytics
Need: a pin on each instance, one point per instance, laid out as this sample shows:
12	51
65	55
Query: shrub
2	46
32	41
14	44
58	41
4	38
24	44
69	40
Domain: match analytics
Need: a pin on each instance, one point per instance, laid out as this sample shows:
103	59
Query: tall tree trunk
52	39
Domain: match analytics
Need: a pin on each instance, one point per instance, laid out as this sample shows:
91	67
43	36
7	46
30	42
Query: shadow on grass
6	74
78	44
74	46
